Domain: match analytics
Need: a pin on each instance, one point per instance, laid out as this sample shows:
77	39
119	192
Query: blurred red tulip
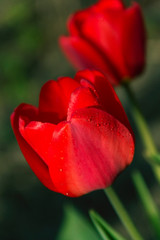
79	138
107	37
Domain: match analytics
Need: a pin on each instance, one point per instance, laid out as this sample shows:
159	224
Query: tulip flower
107	37
78	139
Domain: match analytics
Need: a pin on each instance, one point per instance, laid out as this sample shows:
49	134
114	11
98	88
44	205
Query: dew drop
61	158
67	194
60	169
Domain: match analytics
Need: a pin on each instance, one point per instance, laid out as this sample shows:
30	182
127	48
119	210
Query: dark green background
29	56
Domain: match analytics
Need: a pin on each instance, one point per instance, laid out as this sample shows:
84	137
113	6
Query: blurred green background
29	56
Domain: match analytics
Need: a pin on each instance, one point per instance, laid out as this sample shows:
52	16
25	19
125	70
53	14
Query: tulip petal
35	162
84	55
75	22
81	98
104	33
38	135
107	96
133	42
54	99
103	5
89	152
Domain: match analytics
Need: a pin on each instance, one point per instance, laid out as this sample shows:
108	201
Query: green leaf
148	203
156	158
122	214
76	227
104	229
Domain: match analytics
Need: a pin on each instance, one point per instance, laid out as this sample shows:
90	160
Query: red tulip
107	37
79	138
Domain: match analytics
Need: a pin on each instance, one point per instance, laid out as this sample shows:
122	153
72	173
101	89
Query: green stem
122	214
147	202
150	148
105	230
